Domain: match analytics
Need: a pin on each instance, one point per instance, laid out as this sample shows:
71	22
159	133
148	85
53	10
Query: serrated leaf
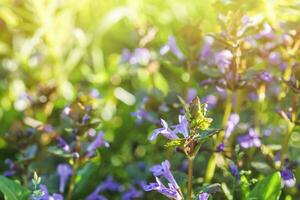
12	190
175	143
59	152
267	189
206	134
213	188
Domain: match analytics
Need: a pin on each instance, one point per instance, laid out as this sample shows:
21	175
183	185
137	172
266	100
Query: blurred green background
56	50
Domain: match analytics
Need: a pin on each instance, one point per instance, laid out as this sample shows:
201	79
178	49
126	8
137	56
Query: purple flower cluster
287	177
140	56
64	171
163	170
47	196
182	128
232	122
172	47
251	139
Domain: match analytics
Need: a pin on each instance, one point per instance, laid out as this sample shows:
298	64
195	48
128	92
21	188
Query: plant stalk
211	166
284	151
190	178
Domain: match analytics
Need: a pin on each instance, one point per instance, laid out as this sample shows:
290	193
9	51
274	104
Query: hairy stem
211	166
190	179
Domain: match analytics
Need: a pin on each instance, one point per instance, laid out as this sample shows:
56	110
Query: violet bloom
110	185
125	56
207	53
234	171
64	171
232	122
163	169
61	143
132	193
251	139
266	77
11	165
169	192
140	56
165	131
95	195
203	196
221	147
192	93
223	59
172	47
287	177
267	32
172	191
182	127
210	100
98	142
274	58
47	196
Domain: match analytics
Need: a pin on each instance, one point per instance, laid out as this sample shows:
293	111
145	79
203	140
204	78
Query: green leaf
244	183
267	189
84	177
59	152
206	134
175	143
180	177
12	190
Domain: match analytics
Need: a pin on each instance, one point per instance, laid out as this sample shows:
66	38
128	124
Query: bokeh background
54	52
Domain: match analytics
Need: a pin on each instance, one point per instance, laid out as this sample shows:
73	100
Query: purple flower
182	127
132	193
165	131
64	171
277	159
126	55
12	168
172	191
234	171
192	93
95	196
223	59
207	53
85	118
221	147
47	196
267	32
210	100
251	139
110	185
287	177
172	47
140	56
169	192
98	142
203	196
232	122
163	169
274	58
61	143
266	77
